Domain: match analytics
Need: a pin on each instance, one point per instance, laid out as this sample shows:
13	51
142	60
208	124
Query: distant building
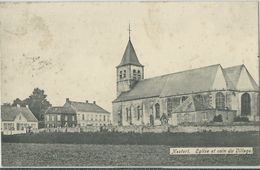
17	120
196	95
56	117
89	114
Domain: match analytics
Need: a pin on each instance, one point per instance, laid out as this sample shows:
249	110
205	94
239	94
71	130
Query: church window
245	104
124	73
130	114
139	74
104	118
134	74
169	106
139	112
220	101
157	110
127	116
83	117
120	75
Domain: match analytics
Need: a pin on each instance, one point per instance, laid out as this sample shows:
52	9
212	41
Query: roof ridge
164	75
240	65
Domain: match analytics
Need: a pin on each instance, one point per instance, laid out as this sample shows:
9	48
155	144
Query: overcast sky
71	49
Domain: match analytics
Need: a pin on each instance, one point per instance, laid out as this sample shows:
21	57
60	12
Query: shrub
241	119
218	118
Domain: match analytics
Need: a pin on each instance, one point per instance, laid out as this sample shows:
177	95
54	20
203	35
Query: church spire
130	57
129	31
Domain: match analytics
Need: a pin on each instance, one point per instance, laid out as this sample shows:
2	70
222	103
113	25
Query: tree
17	101
37	103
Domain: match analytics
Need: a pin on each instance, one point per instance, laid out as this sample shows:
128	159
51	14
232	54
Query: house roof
60	110
9	113
129	56
184	82
85	107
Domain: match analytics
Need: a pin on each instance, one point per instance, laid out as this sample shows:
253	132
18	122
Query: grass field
14	154
176	139
130	149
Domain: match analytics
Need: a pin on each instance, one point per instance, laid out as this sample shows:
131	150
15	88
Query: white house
17	120
89	114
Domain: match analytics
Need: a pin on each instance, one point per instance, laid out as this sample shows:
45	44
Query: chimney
67	100
86	101
18	105
94	102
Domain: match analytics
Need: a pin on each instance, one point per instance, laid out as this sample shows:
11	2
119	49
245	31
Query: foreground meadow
125	149
24	154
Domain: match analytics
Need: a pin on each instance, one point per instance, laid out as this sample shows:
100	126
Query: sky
70	50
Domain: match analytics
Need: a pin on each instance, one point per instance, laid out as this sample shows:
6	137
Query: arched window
245	104
134	74
139	74
157	110
124	73
138	112
120	74
127	114
220	101
130	114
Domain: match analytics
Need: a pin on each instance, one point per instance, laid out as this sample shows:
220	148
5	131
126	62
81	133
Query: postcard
130	84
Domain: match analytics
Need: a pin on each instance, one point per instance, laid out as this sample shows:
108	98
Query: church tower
129	71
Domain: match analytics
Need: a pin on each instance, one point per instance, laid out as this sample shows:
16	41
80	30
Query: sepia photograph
130	84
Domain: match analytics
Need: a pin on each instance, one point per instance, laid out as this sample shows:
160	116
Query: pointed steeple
130	57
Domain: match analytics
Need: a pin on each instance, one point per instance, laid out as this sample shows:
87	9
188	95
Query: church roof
184	82
85	107
233	74
9	113
129	56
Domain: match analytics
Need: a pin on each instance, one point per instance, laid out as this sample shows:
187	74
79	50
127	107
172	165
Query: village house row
16	119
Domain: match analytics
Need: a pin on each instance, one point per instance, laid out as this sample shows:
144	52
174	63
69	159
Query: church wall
147	109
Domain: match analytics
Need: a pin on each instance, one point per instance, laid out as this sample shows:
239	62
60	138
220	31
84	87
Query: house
196	95
57	117
89	114
17	120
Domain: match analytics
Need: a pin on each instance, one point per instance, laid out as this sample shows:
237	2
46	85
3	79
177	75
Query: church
192	96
